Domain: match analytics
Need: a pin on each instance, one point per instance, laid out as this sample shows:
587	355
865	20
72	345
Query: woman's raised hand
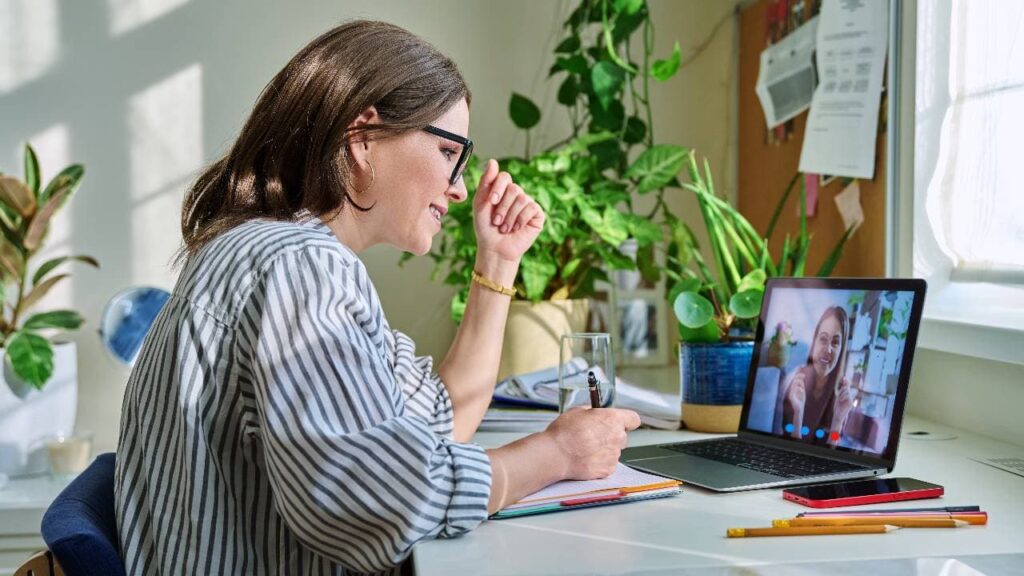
590	440
506	219
796	397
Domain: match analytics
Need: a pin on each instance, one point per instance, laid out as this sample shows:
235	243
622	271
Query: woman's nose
457	192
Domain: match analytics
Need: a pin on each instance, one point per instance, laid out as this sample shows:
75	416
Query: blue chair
80	528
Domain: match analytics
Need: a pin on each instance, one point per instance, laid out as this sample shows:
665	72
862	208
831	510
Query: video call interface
829	366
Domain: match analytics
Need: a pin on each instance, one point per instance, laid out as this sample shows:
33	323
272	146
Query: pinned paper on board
786	78
848	202
812	184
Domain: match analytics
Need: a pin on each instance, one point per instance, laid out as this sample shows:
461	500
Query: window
968	216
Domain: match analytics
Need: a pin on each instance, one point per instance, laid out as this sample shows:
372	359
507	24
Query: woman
818	398
274	423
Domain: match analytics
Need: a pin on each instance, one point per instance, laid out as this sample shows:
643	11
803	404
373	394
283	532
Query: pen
595	394
808	531
853	519
901	521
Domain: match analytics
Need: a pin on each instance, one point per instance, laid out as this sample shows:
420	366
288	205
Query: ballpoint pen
595	394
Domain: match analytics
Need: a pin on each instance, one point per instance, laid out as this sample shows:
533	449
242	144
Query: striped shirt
275	424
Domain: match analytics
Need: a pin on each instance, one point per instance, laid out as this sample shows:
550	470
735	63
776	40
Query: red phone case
869	499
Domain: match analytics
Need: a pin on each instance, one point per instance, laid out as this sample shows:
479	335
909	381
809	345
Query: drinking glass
581	355
69	455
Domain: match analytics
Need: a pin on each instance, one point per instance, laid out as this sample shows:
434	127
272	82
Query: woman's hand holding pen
590	441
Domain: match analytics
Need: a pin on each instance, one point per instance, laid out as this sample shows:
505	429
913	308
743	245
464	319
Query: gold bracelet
491	284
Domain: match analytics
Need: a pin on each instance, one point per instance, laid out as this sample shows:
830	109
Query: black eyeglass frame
467	150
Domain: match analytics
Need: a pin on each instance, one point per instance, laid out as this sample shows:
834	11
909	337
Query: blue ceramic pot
714	374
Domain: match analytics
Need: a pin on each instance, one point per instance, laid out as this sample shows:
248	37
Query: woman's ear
358	143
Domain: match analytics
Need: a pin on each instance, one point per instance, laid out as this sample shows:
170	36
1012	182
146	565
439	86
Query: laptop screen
832	362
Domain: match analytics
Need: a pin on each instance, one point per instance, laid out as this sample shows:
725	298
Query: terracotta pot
28	417
533	331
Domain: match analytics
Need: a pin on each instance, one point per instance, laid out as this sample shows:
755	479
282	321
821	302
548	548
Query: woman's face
411	187
828	343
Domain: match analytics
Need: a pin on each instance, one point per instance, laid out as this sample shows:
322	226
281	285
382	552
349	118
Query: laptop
850	339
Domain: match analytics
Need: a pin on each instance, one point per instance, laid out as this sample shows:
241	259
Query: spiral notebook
624	485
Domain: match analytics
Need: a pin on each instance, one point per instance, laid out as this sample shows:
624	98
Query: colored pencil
867	521
808	531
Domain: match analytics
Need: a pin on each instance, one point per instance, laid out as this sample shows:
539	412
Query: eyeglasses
467	150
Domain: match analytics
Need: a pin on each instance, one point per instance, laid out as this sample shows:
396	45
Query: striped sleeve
425	394
356	478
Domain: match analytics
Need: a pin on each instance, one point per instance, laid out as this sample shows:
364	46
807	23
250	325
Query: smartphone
857	492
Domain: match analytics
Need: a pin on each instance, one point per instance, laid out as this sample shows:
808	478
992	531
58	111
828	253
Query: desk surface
688	531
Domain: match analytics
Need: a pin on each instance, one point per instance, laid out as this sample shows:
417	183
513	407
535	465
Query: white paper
848	202
785	80
623	477
843	123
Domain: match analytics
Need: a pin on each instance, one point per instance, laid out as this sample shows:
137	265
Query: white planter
28	417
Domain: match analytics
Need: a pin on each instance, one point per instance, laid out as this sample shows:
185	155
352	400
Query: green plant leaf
568	91
656	166
837	252
606	79
707	333
608	154
12	262
32	170
49	265
68	179
754	280
607	118
635	132
18	197
628	6
693	310
536	274
568	45
31	356
525	114
645	231
576	64
65	319
662	70
746	304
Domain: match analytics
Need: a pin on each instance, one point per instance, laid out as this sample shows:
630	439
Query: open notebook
624	485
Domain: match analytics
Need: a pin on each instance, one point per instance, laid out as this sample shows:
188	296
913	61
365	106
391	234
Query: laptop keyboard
762	458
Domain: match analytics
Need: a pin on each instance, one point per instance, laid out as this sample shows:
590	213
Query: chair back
80	527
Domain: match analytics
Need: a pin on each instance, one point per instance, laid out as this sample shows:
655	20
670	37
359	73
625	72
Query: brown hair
291	155
839	314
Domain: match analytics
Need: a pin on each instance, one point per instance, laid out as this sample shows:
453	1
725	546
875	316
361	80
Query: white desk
688	531
22	504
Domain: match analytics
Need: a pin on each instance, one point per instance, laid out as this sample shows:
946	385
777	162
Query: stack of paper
540	390
625	485
516	419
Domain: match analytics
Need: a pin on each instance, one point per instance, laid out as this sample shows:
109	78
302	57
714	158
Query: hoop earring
373	176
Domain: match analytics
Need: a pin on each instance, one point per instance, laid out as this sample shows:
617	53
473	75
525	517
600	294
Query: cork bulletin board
765	169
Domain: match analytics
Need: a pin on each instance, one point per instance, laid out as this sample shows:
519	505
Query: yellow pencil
808	531
901	522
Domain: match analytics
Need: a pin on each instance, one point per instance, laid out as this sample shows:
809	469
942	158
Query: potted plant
717	304
38	392
585	183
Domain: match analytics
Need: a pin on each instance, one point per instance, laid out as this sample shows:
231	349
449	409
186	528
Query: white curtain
969	153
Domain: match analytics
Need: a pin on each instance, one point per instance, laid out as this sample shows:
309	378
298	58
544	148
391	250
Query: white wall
145	92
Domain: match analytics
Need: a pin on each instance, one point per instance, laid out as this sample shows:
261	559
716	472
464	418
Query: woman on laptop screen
818	398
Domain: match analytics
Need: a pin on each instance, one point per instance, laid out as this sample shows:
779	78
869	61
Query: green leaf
607	118
525	114
628	6
607	153
657	166
645	231
66	319
459	305
39	291
635	130
32	170
536	274
569	45
836	253
606	79
664	69
31	356
613	228
707	333
754	280
693	310
576	64
68	179
746	304
40	224
647	265
49	265
568	91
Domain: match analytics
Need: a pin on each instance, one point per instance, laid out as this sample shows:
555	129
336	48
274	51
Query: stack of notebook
625	485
